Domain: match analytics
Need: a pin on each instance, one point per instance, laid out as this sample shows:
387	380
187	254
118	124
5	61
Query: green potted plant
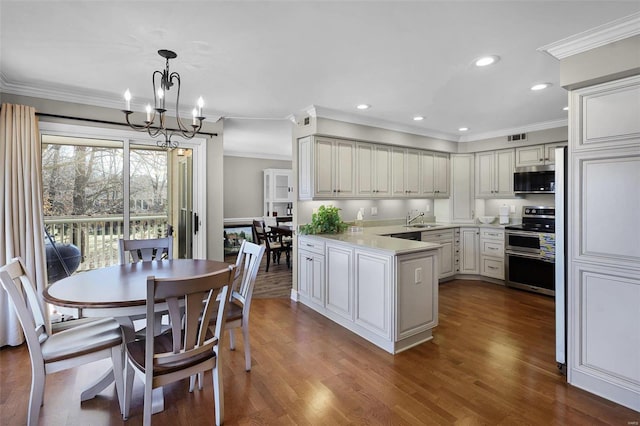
325	221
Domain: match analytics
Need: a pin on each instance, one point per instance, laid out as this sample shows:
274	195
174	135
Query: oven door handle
529	256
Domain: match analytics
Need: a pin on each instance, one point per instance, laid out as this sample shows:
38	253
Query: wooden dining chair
145	250
190	347
70	348
274	246
246	271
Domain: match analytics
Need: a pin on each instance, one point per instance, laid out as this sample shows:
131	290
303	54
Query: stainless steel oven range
530	251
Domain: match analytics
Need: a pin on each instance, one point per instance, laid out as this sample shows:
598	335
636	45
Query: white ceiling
270	60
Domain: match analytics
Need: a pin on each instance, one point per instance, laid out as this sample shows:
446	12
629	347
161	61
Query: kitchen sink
424	225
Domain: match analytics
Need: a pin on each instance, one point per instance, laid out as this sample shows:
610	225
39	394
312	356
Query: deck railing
97	237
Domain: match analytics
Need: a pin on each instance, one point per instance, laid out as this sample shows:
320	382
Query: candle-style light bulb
195	114
127	98
200	105
148	112
160	93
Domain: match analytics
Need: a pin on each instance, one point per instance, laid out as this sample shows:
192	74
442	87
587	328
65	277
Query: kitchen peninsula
384	289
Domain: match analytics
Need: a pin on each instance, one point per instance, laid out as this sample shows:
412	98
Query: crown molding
619	29
514	130
78	96
259	155
318	111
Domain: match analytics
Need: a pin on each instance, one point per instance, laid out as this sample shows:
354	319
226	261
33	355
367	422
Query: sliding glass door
101	185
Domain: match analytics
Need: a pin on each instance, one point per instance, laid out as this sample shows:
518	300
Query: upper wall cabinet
373	170
405	167
326	168
494	174
537	155
434	170
331	168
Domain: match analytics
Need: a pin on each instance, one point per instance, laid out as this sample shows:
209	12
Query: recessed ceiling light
463	129
565	108
418	118
363	106
487	60
540	86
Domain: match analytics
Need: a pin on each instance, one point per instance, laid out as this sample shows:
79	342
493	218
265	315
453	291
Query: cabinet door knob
542	159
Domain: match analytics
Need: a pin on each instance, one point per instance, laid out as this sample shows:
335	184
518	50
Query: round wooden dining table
120	291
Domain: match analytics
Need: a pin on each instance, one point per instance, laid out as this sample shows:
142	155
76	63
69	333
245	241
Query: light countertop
376	237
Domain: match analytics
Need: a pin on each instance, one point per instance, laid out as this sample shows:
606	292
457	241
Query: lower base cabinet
492	253
447	253
415	286
311	268
339	273
373	295
469	251
390	300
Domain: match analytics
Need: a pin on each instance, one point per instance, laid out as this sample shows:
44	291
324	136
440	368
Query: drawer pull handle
492	267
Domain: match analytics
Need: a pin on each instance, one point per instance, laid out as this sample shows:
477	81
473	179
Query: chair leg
232	340
268	260
37	395
129	375
218	394
148	404
118	374
247	346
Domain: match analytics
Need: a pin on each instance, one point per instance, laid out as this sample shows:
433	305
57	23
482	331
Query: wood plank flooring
275	283
491	362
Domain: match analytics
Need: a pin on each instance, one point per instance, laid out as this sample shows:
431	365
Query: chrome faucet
409	220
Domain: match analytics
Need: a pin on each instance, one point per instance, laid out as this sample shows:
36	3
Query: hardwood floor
275	283
491	362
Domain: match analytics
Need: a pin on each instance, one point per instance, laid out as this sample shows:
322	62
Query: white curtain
21	218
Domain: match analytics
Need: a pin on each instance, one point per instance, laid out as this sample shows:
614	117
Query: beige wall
606	63
558	134
243	185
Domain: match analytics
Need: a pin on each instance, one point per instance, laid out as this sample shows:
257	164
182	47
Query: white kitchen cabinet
492	253
373	292
365	170
405	172
390	299
446	252
494	174
469	250
537	155
416	285
339	286
278	190
434	172
311	272
373	170
334	168
326	168
305	168
462	201
603	283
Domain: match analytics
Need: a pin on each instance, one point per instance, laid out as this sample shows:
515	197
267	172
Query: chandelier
162	83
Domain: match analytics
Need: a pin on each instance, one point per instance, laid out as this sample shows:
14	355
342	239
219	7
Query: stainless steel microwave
534	180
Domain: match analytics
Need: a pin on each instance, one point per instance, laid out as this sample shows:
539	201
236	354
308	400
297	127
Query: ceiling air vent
517	137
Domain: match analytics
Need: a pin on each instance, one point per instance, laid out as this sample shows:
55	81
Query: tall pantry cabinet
603	234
